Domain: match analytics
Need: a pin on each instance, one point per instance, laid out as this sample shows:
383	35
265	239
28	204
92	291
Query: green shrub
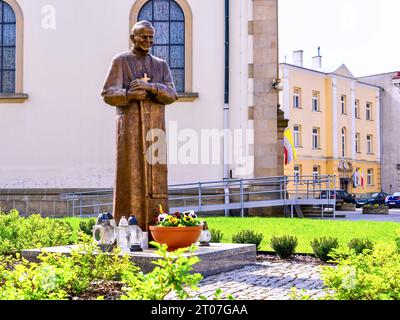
86	226
373	276
284	246
18	233
58	276
171	274
216	235
248	236
322	247
397	240
359	245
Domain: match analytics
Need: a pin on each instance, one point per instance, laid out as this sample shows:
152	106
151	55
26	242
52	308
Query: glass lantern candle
136	235
123	235
205	236
104	232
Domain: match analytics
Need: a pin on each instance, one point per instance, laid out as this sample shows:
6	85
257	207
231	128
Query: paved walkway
274	280
265	281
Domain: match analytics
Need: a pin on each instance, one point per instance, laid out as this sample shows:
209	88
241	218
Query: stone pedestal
217	258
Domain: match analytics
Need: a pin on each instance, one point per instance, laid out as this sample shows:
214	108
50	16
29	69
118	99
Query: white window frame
343	141
316	172
297	98
297	173
357	109
358	142
315	138
315	101
357	178
370	144
370	177
343	103
368	111
297	135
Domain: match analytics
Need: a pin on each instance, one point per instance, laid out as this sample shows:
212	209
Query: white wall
63	136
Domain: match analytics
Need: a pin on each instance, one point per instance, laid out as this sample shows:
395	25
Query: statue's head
142	36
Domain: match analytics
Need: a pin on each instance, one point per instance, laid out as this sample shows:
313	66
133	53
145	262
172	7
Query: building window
315	138
370	143
368	110
8	41
297	173
315	101
343	142
357	109
343	104
358	142
297	98
168	20
297	135
357	181
370	177
316	172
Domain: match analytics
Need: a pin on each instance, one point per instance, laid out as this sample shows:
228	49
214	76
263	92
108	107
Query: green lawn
304	229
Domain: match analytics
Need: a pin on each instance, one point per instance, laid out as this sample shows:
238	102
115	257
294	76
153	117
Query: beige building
335	121
58	134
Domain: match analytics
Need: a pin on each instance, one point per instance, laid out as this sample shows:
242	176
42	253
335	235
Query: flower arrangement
375	206
184	219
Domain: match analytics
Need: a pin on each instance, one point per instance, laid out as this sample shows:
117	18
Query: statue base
217	258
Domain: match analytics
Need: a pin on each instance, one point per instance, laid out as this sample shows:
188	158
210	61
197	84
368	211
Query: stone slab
217	258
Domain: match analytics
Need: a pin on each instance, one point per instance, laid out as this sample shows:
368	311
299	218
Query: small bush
248	236
216	235
284	246
86	226
373	276
397	240
322	247
18	233
60	276
359	245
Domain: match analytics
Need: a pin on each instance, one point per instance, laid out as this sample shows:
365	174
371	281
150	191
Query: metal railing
228	195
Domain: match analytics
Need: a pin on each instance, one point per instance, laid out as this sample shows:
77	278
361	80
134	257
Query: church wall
63	135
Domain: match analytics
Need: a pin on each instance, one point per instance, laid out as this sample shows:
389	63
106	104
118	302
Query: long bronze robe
129	192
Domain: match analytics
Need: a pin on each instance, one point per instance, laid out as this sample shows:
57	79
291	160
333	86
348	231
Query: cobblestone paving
266	281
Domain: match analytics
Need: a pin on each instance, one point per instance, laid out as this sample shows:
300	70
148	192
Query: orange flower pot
176	237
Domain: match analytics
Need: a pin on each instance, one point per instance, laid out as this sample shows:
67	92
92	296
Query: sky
362	34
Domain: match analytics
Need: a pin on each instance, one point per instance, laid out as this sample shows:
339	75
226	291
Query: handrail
238	193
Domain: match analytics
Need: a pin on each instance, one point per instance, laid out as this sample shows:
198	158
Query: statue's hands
143	85
138	95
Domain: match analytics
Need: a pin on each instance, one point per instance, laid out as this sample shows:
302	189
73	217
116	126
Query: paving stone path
266	281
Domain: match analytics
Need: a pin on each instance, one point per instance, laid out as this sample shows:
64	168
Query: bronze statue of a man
139	85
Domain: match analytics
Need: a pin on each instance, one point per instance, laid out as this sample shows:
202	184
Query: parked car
362	199
341	196
377	198
393	201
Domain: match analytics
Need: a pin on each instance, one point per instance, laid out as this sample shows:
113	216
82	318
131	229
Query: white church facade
58	134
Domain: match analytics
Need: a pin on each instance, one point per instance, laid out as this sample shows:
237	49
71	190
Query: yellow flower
173	220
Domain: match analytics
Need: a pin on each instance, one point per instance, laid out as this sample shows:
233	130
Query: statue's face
143	39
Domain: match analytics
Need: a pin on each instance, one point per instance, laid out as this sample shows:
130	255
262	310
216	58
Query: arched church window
8	38
168	20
